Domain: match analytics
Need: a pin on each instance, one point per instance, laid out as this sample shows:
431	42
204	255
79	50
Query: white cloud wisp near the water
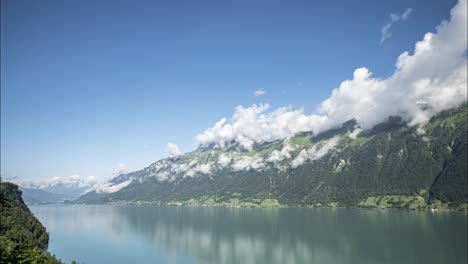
432	79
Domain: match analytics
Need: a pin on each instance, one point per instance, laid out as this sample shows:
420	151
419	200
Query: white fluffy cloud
74	180
260	92
385	31
247	163
280	155
119	169
109	187
316	152
251	124
224	160
355	133
173	149
199	169
434	76
191	169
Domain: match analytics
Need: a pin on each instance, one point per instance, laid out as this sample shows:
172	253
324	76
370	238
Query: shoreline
179	204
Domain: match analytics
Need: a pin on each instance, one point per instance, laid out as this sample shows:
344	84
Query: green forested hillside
391	165
23	239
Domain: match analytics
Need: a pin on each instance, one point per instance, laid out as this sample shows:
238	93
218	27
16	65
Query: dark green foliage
21	254
23	239
451	183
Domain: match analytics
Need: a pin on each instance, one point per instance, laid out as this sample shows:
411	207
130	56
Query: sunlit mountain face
394	164
398	141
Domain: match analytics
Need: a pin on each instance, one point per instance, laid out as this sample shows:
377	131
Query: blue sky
86	85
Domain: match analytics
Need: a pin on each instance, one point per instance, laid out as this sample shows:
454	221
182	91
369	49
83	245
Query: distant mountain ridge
39	196
53	193
390	165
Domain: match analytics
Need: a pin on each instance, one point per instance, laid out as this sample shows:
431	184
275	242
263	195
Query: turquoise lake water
158	234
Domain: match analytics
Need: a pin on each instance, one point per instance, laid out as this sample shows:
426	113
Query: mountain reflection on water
247	235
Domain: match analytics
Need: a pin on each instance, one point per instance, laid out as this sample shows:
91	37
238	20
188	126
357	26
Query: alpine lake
181	234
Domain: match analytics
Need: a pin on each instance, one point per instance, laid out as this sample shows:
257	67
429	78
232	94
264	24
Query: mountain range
394	164
53	192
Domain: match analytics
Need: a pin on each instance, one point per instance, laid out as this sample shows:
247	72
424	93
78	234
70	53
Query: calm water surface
153	234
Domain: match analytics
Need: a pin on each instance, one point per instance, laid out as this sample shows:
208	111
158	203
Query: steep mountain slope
23	239
391	165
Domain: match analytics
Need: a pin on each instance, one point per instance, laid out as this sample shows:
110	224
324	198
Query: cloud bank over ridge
432	79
